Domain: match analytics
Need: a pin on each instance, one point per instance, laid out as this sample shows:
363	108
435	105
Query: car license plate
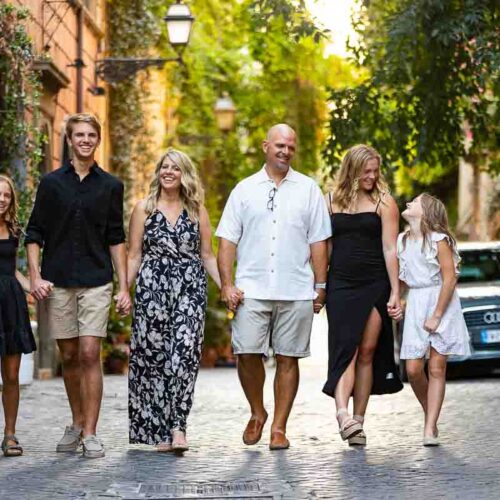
490	336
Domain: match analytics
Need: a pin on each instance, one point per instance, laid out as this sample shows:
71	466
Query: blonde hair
434	219
82	118
11	215
192	194
346	183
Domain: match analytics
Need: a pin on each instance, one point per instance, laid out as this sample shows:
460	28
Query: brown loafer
279	441
253	431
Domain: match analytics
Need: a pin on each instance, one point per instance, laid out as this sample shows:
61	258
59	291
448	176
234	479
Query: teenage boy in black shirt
78	220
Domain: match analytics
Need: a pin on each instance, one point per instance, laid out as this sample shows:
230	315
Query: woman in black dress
362	288
170	250
16	336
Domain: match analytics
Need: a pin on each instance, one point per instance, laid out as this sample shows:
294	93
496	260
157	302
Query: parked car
479	291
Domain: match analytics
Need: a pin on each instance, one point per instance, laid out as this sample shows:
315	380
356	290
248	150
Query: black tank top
8	249
357	254
357	247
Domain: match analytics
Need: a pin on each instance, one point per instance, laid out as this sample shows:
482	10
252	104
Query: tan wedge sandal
349	427
358	439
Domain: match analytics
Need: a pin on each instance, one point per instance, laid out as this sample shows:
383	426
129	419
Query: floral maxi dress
167	330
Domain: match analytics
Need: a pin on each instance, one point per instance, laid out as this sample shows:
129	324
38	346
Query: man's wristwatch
321	286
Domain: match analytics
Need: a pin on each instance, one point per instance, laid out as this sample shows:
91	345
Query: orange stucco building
68	37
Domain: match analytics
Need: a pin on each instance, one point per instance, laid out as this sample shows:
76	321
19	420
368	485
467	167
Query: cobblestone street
318	464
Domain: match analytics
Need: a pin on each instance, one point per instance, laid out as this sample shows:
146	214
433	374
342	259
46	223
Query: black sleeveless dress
16	336
358	282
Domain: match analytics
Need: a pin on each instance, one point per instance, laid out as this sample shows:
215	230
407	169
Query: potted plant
116	361
115	347
216	336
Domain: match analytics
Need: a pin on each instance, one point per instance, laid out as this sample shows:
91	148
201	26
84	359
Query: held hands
394	309
232	297
40	288
123	303
319	301
431	324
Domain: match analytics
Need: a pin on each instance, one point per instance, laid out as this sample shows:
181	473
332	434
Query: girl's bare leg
418	380
10	392
436	390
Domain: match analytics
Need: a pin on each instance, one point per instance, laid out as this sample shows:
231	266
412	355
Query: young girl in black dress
16	336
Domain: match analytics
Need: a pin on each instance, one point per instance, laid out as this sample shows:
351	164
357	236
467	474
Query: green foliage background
430	95
268	57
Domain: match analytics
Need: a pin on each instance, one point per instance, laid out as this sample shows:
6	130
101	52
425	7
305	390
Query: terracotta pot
116	366
226	351
208	357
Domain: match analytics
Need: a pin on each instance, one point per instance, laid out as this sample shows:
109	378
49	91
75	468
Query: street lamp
225	112
179	24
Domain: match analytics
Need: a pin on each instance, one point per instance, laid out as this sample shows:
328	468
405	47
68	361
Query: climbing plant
20	141
132	32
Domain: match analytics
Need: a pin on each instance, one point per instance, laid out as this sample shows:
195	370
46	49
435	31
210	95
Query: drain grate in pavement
229	490
190	490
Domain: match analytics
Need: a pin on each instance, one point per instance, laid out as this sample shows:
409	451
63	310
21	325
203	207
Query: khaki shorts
77	312
284	325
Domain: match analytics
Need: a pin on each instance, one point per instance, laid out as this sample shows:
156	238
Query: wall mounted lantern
225	112
179	24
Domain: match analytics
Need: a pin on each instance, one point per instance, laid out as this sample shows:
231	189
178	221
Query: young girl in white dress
434	324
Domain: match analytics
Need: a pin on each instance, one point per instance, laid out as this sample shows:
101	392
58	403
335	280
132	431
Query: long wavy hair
191	194
11	215
434	219
346	183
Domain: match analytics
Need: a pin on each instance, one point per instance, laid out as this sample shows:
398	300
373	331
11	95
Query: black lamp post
179	23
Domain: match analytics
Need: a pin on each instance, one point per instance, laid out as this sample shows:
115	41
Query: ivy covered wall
20	141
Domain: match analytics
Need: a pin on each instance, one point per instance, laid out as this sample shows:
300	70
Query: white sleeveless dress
421	272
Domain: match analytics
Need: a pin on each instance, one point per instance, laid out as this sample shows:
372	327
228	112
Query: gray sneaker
92	447
71	439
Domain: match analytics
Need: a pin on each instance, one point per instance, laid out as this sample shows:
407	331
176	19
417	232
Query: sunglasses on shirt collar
270	201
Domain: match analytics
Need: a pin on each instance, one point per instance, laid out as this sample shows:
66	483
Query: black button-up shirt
76	222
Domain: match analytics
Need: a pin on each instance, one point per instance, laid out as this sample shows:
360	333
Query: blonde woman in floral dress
170	250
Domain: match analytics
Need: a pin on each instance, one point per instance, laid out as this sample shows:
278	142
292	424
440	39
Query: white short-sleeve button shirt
273	254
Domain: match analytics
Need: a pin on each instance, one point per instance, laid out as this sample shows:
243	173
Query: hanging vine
20	141
132	30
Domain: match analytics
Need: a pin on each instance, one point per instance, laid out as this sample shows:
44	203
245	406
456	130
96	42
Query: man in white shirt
275	224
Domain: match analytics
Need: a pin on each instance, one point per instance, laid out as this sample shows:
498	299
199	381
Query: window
479	265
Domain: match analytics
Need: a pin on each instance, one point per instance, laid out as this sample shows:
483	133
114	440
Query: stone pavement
318	465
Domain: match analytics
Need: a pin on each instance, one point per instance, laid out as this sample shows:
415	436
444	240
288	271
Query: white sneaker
92	447
71	439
